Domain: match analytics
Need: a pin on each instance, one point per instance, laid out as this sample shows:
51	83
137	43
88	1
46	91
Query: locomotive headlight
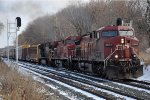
134	55
122	40
116	56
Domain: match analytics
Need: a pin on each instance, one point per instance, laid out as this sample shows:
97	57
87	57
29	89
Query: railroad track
86	87
98	83
136	83
131	82
72	77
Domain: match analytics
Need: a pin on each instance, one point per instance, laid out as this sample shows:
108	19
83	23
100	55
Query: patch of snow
128	86
146	74
148	50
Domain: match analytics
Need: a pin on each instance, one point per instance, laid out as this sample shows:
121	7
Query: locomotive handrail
137	55
108	58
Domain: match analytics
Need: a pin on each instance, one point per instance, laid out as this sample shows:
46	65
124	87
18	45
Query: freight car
28	53
110	51
11	52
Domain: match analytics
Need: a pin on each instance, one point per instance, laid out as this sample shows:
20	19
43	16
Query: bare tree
1	27
79	18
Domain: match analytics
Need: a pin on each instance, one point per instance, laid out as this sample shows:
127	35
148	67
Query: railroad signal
18	21
119	22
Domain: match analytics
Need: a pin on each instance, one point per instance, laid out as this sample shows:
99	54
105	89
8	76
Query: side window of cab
109	33
95	34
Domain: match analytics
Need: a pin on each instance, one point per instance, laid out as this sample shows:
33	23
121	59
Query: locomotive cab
121	52
71	43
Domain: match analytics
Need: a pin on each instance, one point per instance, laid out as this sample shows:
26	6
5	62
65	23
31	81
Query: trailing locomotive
110	51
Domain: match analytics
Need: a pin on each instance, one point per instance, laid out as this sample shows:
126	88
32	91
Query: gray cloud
28	10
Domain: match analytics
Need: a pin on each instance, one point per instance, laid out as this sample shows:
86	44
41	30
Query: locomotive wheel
76	66
43	62
66	64
139	72
97	69
70	65
111	72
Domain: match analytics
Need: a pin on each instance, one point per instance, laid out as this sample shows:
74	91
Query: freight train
110	51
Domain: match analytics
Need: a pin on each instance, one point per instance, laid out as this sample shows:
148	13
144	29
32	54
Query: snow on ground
146	74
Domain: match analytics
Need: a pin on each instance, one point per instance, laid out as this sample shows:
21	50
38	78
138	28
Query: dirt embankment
146	57
14	86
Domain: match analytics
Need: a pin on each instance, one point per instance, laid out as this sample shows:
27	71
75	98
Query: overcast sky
28	10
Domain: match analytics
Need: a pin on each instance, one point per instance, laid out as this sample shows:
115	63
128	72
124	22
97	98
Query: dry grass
146	57
14	86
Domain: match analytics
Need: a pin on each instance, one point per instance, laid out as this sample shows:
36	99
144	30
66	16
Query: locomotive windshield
109	33
70	42
115	33
126	33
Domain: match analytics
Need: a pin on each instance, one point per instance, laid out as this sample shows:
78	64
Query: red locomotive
111	51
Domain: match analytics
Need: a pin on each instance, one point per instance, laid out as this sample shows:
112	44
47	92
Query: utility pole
16	45
15	28
10	29
18	25
7	42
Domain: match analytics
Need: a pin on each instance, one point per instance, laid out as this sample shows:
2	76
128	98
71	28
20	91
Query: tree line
80	18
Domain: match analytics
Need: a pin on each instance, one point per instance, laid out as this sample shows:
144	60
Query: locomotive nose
127	47
123	48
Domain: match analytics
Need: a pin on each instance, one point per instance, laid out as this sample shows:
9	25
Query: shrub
15	86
